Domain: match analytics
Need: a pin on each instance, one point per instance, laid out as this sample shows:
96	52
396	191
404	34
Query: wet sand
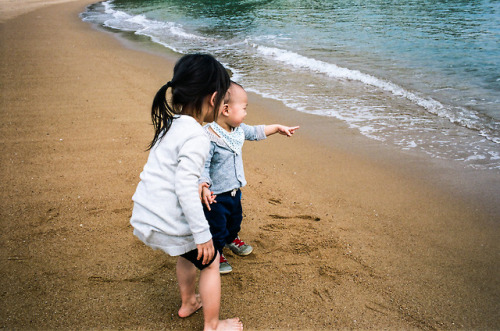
347	234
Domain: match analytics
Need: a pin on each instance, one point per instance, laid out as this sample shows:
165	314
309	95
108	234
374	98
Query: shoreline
478	189
343	229
468	184
422	126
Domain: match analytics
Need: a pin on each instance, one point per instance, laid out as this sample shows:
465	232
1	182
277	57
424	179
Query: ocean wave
457	115
376	107
141	25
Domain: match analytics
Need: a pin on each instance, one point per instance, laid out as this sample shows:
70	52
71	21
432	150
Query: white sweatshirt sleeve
191	160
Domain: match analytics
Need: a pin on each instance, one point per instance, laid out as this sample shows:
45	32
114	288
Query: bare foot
187	310
232	324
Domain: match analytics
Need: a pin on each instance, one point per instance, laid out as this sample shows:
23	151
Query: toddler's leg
186	278
235	244
234	219
210	289
217	220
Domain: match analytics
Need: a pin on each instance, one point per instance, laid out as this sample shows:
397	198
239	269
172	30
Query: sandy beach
347	233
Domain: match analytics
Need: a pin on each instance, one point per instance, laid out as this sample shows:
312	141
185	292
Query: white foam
411	144
494	155
408	127
141	25
457	115
475	157
108	7
179	31
138	19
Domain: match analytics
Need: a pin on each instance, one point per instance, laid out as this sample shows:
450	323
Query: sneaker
224	266
239	247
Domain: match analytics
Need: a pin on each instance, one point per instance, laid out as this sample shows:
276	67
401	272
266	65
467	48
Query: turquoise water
421	75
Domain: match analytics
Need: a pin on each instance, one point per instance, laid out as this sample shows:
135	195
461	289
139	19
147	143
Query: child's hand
207	197
205	251
200	188
287	130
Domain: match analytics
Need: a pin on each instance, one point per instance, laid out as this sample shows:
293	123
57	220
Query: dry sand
13	8
346	234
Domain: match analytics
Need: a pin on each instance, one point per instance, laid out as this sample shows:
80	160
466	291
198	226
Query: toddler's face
237	106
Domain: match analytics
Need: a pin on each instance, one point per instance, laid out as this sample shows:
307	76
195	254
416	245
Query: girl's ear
212	99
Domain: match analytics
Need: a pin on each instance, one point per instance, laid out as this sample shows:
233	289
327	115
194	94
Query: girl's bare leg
186	278
210	290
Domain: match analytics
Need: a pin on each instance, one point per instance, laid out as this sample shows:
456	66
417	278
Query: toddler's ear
225	109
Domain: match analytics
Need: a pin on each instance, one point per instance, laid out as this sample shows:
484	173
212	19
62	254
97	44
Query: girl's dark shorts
192	255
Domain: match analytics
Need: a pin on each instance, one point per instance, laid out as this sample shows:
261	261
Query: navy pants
224	218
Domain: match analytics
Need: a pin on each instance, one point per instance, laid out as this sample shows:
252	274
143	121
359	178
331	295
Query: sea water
422	75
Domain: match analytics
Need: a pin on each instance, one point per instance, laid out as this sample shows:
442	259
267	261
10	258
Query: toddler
223	174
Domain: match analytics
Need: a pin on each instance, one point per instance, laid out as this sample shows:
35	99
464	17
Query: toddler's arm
281	129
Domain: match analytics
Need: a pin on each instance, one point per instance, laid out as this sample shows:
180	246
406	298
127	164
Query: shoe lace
238	242
222	259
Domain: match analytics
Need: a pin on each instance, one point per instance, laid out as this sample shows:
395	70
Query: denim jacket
223	167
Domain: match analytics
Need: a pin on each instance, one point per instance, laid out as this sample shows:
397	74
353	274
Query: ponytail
161	114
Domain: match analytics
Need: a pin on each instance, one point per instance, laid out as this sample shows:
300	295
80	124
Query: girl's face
237	106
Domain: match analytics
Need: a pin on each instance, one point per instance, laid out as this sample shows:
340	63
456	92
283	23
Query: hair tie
169	84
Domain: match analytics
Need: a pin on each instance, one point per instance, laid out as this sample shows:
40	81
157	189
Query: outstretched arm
281	129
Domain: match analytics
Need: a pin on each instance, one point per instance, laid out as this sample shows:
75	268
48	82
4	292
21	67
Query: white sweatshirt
168	213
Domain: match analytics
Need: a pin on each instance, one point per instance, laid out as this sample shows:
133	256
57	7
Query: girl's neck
190	112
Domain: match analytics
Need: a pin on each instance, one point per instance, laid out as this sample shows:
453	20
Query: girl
167	212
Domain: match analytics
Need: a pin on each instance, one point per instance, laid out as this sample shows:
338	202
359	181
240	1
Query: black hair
196	76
